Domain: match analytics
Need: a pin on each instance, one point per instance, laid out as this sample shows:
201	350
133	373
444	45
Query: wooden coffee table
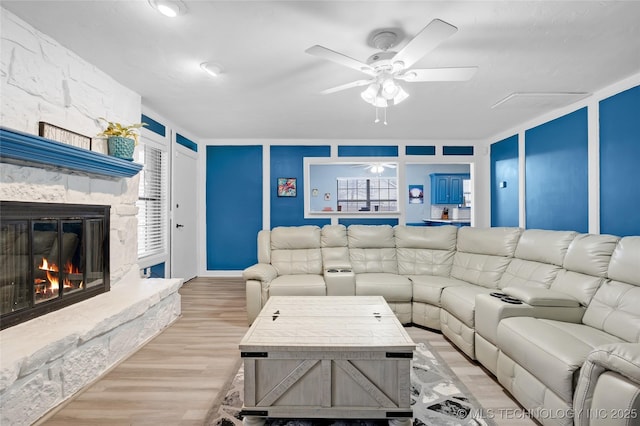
329	357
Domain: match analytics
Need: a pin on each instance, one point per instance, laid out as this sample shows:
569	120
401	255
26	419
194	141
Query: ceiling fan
376	167
386	68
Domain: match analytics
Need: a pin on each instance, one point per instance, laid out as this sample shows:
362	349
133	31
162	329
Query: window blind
152	202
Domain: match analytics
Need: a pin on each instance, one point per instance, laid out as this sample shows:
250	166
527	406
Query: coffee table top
327	323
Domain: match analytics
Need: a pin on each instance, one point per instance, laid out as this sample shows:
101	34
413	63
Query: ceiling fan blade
428	39
438	74
339	58
347	86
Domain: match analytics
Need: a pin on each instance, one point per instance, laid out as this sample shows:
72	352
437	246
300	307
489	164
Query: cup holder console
335	271
506	298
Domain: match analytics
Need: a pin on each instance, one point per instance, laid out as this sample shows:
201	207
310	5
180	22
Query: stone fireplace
51	256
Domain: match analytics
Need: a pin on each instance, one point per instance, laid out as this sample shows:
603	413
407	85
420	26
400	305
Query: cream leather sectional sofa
554	315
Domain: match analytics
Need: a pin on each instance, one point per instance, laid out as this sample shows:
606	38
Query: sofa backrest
614	308
483	254
425	250
537	259
585	266
334	243
372	248
296	250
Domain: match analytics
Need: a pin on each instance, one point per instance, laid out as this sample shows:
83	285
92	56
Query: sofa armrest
534	296
261	272
491	310
609	385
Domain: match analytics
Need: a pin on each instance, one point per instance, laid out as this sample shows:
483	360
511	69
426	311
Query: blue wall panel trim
457	150
23	148
619	168
556	156
158	271
367	151
420	150
365	221
153	125
186	142
288	161
505	182
233	206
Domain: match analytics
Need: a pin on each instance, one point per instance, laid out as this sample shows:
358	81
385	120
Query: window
152	202
364	195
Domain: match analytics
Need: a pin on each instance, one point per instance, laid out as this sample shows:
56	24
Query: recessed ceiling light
170	8
211	68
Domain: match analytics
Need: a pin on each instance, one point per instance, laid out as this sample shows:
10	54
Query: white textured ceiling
270	88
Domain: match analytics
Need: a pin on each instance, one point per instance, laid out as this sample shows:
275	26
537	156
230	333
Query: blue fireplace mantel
25	149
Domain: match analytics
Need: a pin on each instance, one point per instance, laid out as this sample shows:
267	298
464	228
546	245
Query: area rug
438	398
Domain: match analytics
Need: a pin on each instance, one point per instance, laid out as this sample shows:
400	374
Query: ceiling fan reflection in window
387	69
376	168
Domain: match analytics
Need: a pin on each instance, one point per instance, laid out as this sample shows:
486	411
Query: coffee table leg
400	422
253	421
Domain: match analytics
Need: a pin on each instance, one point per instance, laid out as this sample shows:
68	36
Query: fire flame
54	282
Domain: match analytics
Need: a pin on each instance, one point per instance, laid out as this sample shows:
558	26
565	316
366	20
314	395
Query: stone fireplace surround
47	360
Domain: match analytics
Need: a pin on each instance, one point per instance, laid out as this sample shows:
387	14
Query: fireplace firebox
51	256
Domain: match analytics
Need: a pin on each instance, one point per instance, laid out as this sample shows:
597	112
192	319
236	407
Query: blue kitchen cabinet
447	188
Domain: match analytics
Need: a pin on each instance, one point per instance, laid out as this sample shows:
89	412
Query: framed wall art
287	187
65	136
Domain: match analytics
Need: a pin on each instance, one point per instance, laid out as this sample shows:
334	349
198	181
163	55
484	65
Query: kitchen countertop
448	220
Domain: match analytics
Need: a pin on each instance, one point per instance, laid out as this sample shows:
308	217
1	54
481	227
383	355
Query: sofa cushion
460	301
479	269
490	241
527	273
624	265
544	246
295	237
590	254
428	288
393	287
614	309
297	285
425	250
483	255
552	351
294	262
371	236
426	237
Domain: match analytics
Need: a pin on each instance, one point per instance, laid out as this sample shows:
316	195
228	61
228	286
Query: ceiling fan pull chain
377	120
385	116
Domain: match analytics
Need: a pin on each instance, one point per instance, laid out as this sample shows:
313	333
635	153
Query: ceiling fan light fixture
213	69
377	168
370	93
400	96
169	8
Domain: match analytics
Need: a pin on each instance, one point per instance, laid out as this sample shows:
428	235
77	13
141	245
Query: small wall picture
416	194
287	187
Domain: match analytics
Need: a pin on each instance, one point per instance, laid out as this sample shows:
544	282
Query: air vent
540	100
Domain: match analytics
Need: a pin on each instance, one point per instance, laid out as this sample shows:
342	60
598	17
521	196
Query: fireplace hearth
51	256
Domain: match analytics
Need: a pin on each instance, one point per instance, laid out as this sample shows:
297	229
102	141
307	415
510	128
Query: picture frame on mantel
58	134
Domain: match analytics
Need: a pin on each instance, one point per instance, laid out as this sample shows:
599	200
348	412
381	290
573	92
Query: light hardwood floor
178	377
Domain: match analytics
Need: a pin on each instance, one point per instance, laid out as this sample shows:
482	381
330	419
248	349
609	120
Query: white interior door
184	262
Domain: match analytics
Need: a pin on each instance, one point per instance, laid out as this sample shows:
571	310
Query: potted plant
121	139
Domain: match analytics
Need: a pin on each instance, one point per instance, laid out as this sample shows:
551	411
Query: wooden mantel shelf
31	150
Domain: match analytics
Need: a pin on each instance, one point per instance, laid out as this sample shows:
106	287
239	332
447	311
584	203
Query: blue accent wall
556	180
620	163
420	150
233	206
457	150
288	161
153	125
186	142
158	271
364	221
504	182
367	151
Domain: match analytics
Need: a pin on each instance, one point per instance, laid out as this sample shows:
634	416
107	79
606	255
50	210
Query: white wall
41	80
